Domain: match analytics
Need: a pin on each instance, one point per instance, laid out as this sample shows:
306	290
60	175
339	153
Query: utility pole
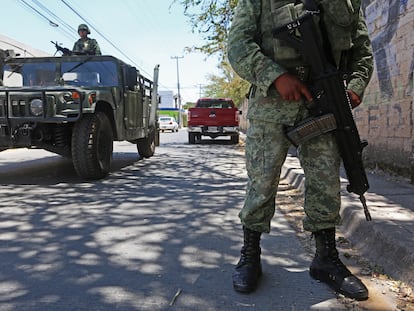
178	90
200	90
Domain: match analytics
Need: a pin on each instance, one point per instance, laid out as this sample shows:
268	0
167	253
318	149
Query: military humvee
76	106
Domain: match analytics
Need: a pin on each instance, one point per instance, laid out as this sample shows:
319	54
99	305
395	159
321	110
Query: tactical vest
340	18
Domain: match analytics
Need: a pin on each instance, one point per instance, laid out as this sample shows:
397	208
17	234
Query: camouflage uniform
88	46
260	59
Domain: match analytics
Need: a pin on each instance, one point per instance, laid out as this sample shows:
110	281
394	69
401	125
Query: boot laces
331	254
250	252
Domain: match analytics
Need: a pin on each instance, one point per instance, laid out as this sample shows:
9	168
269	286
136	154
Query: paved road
157	234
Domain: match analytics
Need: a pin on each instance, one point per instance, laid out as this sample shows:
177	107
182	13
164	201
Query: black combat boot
248	270
328	268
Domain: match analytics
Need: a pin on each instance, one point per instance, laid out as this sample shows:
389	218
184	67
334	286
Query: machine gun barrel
65	51
330	97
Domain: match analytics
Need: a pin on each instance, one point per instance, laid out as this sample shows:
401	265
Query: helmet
84	27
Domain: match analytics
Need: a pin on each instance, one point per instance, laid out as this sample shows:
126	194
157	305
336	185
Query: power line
51	23
68	30
103	36
36	11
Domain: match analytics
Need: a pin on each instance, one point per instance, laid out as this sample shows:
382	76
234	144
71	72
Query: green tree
211	19
229	85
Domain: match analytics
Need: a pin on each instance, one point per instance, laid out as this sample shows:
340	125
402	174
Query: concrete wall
386	117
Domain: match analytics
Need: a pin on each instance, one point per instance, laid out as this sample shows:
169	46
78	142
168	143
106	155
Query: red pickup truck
213	117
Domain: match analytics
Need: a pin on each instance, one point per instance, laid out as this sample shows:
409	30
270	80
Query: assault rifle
331	108
65	51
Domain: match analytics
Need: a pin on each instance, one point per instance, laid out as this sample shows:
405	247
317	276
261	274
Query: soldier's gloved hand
355	99
291	88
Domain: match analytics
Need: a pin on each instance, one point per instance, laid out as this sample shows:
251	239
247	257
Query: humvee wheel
157	138
146	146
92	146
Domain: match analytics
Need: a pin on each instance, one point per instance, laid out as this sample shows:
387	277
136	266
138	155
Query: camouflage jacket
259	58
88	46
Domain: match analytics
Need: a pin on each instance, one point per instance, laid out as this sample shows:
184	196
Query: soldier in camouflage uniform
86	45
277	98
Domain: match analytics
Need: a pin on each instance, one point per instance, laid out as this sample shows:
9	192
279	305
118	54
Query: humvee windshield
91	73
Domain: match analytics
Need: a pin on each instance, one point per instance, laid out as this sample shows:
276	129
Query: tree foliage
229	85
211	19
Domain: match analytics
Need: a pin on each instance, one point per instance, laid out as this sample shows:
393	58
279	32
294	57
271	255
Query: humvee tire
157	138
92	146
146	146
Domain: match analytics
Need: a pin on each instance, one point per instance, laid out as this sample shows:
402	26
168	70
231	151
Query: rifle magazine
310	128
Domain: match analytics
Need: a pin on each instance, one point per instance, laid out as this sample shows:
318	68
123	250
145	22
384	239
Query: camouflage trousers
266	151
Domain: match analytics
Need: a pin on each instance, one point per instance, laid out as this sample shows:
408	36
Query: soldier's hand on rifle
355	99
291	88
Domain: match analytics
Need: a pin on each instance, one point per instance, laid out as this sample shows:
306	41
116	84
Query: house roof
7	43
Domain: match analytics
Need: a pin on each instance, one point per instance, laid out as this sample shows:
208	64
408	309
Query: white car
168	123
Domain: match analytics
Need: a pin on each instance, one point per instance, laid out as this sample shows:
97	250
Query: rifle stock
330	97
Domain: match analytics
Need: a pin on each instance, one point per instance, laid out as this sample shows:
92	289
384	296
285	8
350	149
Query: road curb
386	243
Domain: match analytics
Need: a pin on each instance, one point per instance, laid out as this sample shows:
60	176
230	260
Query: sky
143	33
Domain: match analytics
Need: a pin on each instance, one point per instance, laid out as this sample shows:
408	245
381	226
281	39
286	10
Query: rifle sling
311	5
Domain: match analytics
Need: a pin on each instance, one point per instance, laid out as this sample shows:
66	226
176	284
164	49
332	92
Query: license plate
213	129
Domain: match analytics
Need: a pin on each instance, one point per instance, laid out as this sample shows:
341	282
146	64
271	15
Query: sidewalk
387	240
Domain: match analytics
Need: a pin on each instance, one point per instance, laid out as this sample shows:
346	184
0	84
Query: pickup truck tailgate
213	116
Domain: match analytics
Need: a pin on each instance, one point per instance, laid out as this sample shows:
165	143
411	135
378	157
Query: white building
167	100
24	50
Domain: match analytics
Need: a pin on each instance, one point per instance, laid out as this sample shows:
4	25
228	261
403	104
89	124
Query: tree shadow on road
157	234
